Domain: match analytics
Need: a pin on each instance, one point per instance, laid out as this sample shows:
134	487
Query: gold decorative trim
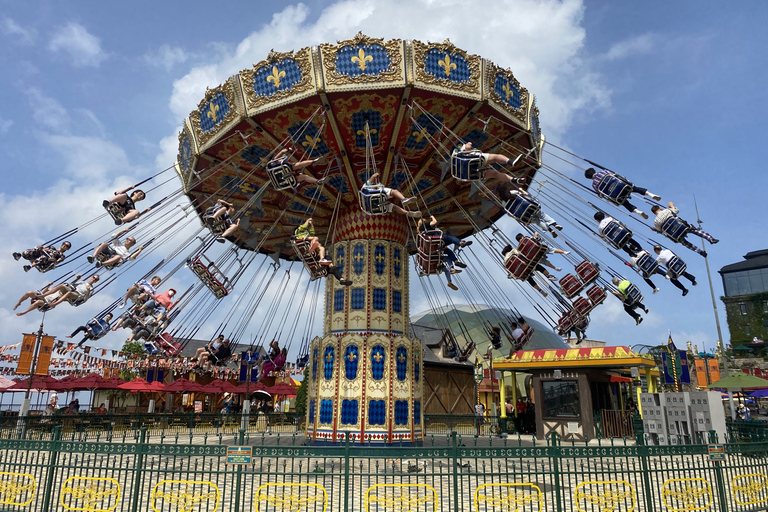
513	500
303	59
291	499
473	62
680	494
605	496
88	492
184	497
750	489
394	52
12	489
228	89
492	70
398	497
186	172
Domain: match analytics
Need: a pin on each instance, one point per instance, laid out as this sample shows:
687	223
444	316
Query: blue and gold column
365	373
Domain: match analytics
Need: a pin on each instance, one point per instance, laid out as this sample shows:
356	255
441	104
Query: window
747	330
743	308
561	399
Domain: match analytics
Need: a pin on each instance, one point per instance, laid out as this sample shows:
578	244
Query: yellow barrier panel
13	490
753	488
398	497
608	495
88	492
184	495
509	497
290	497
681	494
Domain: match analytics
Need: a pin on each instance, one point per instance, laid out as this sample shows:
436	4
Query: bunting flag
714	370
701	373
27	352
44	356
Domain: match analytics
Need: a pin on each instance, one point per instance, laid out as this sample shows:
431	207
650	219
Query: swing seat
373	200
526	337
567	322
496	343
588	272
429	256
467	166
464	354
676	267
616	234
310	258
45	264
77	299
523	209
582	306
96	330
115	211
101	258
632	296
151	348
166	344
215	226
571	286
646	264
614	188
280	173
597	295
302	361
532	249
519	268
675	229
211	276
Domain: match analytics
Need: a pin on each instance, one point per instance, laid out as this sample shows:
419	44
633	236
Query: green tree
133	348
301	394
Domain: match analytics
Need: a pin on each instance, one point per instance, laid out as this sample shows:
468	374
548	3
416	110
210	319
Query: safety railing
488	474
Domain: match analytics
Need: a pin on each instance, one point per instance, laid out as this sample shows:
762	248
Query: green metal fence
451	473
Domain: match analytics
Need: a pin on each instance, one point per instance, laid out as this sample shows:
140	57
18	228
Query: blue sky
670	94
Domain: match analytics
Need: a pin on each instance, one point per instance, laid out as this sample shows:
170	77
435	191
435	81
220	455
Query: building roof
431	338
752	260
574	357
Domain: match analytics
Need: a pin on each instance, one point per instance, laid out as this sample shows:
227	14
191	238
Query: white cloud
5	125
18	33
632	46
47	111
83	48
512	37
166	57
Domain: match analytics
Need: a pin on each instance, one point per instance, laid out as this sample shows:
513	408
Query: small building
746	298
570	386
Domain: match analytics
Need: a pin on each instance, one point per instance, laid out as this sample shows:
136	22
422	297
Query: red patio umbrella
39	383
282	389
113	382
137	385
91	381
183	385
221	386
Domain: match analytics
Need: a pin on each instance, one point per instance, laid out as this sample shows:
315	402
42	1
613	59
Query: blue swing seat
632	296
523	209
614	188
674	228
616	234
646	264
216	226
467	166
280	173
676	267
373	200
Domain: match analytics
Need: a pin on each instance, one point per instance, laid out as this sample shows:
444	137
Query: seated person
663	214
597	177
631	246
221	354
141	290
127	204
306	231
491	174
276	364
102	410
494	335
78	291
507	191
116	252
448	239
580	330
145	330
274	349
298	167
646	277
664	256
449	262
508	252
41	256
127	320
337	272
621	294
223	210
372	184
210	347
160	303
94	329
550	250
38	299
518	332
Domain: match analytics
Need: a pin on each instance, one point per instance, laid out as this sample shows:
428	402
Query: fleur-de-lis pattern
358	60
607	496
686	494
425	126
401	498
351	360
509	497
279	76
442	65
285	497
508	91
90	494
750	489
213	112
307	135
185	495
16	489
374	120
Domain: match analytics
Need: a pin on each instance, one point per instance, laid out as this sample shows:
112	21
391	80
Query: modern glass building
746	297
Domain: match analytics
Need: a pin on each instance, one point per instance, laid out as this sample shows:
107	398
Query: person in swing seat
298	167
306	232
392	193
491	174
597	178
42	256
127	204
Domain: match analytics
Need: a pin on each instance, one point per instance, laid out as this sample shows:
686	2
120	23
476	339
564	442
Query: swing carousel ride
347	160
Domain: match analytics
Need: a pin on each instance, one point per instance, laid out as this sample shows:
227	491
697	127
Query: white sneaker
552	278
558	269
655	291
566	253
408	200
